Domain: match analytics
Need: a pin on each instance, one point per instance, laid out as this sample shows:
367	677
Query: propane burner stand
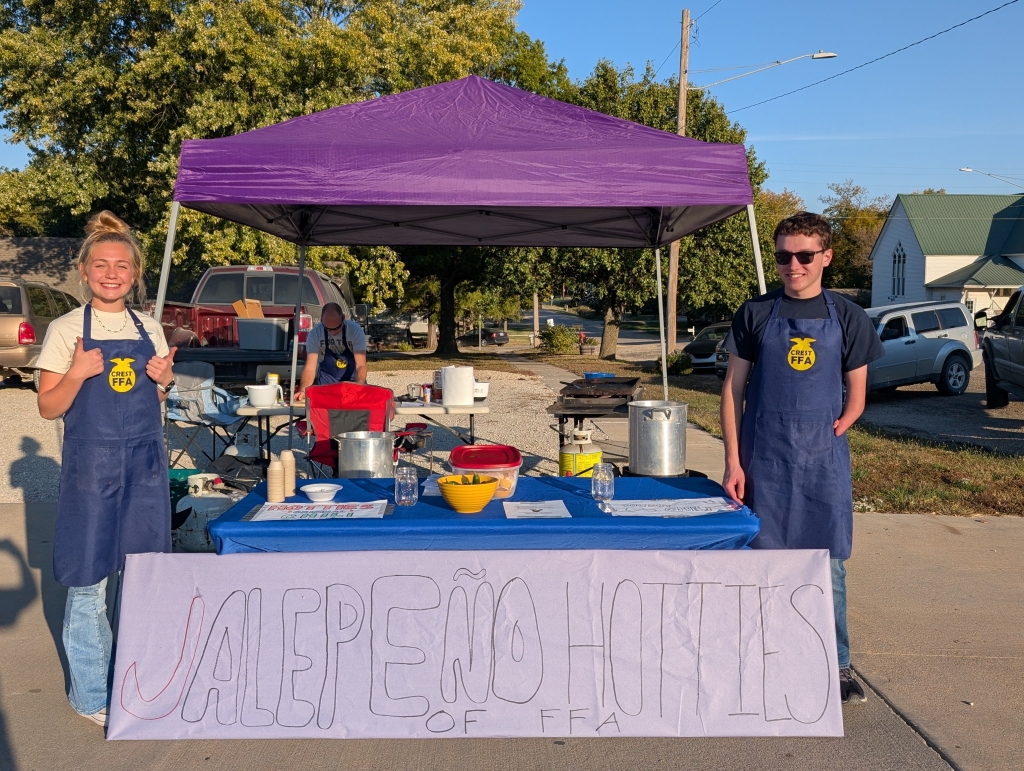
599	398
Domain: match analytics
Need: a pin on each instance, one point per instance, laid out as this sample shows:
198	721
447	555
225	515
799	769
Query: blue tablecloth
431	524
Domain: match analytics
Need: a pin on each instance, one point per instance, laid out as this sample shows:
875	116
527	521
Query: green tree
716	268
103	94
857	220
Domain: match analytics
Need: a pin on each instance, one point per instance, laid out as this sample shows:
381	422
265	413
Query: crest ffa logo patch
801	355
122	376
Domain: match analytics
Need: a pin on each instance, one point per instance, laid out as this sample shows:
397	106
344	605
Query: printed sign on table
458	644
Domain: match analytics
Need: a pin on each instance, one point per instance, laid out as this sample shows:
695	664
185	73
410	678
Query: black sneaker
850	691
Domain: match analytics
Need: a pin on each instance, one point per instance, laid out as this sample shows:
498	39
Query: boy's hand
86	364
159	368
734	482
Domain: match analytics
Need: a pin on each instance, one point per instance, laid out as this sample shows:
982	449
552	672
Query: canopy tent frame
169	251
480	164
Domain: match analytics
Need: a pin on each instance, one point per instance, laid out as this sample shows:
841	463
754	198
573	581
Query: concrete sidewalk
38	729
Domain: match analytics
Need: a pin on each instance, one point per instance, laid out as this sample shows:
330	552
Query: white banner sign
500	643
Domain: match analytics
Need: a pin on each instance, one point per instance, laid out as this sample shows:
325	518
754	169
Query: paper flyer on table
430	486
314	511
672	507
535	510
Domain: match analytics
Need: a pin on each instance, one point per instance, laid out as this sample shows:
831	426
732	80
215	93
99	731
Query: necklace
96	316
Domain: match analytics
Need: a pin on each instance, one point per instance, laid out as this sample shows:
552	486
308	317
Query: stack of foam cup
288	461
275	482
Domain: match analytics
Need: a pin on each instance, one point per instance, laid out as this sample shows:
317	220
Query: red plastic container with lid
496	460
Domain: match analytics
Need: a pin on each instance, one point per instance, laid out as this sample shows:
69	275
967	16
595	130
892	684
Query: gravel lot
922	412
30	457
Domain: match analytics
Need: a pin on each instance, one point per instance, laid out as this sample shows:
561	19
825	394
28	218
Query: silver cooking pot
657	438
366	454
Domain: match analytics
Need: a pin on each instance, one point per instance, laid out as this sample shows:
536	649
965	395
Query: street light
969	170
819	55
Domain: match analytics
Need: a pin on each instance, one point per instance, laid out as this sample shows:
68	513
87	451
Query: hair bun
106	222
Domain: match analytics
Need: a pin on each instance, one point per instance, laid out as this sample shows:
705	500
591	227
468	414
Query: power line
676	46
877	59
709	9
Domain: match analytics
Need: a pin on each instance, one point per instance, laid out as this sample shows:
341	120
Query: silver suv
926	342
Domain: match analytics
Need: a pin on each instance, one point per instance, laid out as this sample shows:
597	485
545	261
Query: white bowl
264	395
321	492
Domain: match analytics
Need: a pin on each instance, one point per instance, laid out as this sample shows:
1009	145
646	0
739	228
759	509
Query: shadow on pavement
13	601
39	522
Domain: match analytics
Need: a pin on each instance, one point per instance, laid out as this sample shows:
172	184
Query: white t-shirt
353	334
62	335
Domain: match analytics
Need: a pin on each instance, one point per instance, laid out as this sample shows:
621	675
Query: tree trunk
610	334
431	334
504	325
446	345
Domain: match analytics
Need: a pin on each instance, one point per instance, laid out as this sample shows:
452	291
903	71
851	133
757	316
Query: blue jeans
839	605
88	642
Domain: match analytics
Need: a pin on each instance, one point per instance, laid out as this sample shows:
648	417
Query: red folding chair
338	408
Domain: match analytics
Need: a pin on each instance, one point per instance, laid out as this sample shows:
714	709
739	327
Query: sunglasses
335	329
804	258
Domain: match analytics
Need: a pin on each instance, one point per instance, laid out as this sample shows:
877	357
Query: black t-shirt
860	340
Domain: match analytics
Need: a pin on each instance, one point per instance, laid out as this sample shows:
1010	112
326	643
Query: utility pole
673	250
536	320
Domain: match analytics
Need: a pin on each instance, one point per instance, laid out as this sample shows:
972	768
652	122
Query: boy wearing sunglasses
335	352
786	451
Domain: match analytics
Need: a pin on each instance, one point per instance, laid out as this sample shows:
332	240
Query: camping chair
342	407
195	405
338	408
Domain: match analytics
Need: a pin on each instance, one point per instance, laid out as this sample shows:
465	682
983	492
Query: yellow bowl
467	499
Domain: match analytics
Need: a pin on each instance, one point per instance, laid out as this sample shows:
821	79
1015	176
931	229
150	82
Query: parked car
489	337
206	329
721	361
701	349
1003	351
924	342
26	310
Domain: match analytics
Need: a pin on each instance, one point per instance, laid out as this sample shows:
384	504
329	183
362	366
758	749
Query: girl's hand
159	368
85	364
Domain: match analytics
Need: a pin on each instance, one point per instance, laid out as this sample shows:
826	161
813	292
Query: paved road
628	338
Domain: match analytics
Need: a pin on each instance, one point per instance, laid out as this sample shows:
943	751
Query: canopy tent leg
661	326
756	243
165	268
295	340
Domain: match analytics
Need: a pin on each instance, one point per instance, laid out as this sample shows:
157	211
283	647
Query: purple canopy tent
469	162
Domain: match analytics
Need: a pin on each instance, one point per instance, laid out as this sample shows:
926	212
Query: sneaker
850	691
99	718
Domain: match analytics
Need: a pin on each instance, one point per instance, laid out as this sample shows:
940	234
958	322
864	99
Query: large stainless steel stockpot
366	454
657	438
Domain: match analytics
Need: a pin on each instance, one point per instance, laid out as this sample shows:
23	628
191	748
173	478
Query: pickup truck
1003	350
206	330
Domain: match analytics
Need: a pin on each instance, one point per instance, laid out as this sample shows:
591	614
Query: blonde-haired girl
105	369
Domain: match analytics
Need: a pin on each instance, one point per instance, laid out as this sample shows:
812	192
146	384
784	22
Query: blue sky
903	124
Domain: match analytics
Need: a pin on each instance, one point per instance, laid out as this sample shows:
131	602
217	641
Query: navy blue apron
335	366
797	470
114	496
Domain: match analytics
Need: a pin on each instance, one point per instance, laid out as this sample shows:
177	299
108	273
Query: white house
943	247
